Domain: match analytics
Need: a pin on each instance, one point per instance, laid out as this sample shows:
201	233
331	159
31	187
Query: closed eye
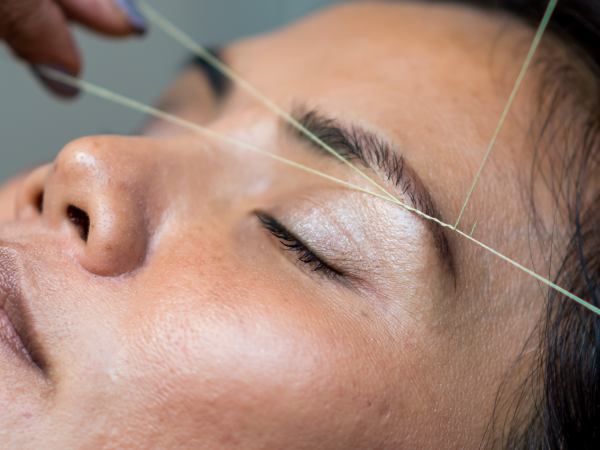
293	244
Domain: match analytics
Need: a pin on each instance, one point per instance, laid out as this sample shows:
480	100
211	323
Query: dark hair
562	391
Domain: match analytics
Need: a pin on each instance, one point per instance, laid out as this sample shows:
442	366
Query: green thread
524	69
187	42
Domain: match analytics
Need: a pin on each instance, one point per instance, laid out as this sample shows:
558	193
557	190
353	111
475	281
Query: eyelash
294	244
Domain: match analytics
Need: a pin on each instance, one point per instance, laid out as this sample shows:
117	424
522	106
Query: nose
95	194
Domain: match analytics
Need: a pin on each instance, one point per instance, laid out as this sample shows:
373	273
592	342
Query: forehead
433	78
421	50
412	69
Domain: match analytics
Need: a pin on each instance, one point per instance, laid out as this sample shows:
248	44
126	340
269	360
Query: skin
182	323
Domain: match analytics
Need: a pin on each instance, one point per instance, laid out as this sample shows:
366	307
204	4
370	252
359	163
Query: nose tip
89	195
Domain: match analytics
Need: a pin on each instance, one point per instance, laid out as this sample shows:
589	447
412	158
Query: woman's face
221	299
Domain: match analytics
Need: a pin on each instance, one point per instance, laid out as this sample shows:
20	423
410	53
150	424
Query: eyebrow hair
219	84
374	152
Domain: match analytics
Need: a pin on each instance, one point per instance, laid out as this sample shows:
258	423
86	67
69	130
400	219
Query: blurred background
35	126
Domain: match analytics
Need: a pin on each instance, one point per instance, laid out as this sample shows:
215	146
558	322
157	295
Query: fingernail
56	87
136	19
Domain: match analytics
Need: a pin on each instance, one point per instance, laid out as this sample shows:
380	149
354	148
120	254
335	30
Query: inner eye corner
81	220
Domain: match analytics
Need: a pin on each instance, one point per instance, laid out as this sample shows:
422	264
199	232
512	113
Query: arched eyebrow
374	152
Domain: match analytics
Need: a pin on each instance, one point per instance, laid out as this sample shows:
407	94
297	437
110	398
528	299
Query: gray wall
34	126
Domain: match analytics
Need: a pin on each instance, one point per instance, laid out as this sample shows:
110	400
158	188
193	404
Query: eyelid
290	241
376	152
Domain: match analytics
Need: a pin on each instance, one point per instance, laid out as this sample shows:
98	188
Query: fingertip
54	86
133	15
111	17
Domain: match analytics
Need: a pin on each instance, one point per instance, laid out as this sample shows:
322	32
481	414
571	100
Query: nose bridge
95	190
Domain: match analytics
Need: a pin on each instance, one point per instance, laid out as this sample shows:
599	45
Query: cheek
273	370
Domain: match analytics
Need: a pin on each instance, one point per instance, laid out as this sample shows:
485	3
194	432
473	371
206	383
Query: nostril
39	202
80	220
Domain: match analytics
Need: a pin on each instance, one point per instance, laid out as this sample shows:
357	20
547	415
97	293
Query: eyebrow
376	153
219	84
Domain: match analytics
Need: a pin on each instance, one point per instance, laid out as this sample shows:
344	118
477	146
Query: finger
36	31
113	17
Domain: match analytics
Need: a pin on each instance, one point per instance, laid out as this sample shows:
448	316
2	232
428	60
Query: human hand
38	31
